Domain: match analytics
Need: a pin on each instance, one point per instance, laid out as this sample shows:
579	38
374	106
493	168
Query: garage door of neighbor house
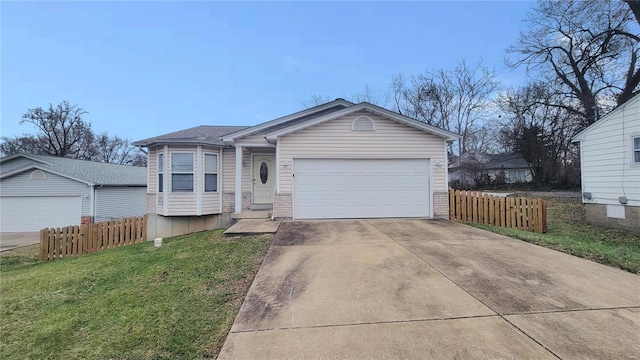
32	213
360	188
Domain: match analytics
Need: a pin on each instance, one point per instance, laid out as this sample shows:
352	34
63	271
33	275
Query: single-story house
470	166
39	191
336	160
610	167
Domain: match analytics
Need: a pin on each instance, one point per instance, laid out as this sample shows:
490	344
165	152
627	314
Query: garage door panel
352	188
32	213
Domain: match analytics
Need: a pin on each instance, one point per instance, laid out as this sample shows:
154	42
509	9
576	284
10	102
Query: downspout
92	201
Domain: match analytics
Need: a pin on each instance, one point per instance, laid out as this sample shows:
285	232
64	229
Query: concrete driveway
11	240
430	289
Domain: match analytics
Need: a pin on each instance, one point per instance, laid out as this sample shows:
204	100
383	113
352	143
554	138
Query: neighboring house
610	167
42	191
336	160
472	165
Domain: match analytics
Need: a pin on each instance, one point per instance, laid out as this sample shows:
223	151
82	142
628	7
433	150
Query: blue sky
142	69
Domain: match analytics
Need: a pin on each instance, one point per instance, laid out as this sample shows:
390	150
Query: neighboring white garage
360	188
38	192
29	213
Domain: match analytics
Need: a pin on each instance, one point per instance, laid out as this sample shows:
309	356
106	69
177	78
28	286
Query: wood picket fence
509	212
59	243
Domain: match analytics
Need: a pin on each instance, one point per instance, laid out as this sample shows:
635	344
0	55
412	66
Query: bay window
182	172
210	172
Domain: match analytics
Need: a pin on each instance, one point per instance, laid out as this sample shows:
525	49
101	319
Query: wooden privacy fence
88	238
510	212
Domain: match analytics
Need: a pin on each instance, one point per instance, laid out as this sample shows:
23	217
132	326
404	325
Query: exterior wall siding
152	171
607	165
54	185
119	202
334	139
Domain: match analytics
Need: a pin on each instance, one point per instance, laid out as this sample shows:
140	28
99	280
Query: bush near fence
510	212
58	243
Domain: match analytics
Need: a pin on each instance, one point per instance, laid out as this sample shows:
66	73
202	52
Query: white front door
263	178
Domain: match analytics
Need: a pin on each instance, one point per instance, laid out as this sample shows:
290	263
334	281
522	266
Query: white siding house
610	167
43	191
336	160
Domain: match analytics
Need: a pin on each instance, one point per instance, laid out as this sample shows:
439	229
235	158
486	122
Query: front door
263	179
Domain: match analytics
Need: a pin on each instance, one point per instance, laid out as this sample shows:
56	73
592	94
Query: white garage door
359	188
32	213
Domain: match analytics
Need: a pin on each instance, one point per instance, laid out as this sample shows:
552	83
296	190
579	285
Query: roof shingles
92	172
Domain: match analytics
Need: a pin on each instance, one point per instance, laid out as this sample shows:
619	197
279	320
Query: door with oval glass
263	179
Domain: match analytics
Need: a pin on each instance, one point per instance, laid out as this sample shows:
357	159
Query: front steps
253	214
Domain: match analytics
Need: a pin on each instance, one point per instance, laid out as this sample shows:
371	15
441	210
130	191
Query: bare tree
457	99
117	150
63	132
532	124
587	47
315	100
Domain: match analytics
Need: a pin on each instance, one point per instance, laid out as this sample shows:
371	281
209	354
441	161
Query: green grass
569	232
177	301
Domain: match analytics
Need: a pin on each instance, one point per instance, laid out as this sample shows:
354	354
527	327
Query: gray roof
91	172
507	161
203	134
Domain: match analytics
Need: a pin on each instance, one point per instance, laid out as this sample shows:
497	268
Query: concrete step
253	227
252	214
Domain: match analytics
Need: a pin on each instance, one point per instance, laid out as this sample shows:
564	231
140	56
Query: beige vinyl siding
210	203
228	170
608	171
54	185
152	171
334	139
253	139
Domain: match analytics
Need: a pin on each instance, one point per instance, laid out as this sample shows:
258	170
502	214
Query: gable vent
38	175
363	123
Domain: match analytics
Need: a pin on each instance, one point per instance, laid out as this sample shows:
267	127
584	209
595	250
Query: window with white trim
182	172
160	172
210	172
636	149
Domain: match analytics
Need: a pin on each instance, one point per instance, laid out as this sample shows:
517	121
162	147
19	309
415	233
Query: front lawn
569	232
177	301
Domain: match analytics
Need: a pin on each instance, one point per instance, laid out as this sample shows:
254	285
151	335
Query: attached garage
361	188
32	213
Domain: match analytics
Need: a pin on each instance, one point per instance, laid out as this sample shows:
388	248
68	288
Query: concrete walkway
430	289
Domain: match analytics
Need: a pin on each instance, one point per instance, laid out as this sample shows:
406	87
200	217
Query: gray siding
54	185
120	202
